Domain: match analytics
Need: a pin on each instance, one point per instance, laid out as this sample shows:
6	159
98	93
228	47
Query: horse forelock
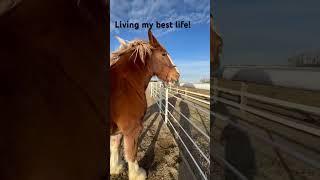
137	48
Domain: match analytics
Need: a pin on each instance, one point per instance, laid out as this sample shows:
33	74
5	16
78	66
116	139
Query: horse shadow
259	76
185	110
238	149
183	170
150	111
149	156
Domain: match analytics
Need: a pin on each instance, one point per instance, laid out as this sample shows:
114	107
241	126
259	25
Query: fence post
160	98
243	99
159	94
166	108
151	90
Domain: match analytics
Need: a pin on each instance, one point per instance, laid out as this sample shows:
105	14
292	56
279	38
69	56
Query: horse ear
121	41
152	40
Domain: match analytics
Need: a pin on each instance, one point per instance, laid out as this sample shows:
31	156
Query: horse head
161	63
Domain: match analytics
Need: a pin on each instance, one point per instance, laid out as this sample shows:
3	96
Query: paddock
175	141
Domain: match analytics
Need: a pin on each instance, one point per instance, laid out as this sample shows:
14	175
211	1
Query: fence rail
244	95
274	117
162	93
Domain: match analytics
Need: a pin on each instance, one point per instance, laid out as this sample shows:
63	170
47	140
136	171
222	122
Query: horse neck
135	72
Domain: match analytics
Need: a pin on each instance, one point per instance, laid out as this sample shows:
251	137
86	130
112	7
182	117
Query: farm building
307	59
285	76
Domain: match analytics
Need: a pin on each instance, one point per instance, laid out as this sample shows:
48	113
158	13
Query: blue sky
188	47
267	32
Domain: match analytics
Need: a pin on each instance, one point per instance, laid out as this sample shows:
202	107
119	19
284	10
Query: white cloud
195	11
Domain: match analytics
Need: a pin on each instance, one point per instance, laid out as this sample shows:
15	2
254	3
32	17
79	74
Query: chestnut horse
131	68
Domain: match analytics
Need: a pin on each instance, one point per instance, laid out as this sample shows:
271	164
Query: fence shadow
185	124
206	128
184	109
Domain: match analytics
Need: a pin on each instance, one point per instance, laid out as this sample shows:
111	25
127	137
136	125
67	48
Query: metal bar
166	106
292	124
160	97
191	104
311	109
200	100
198	94
151	90
204	156
195	162
285	149
204	134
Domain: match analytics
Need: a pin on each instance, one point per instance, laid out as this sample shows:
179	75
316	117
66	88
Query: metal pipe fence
162	94
159	92
243	106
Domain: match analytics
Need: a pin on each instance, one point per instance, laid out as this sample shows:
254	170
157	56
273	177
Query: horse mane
138	48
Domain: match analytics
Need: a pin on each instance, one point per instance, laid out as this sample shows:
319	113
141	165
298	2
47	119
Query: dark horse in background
53	90
132	66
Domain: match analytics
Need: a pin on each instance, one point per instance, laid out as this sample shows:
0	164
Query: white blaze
173	63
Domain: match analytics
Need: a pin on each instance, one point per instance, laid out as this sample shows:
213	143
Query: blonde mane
140	48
